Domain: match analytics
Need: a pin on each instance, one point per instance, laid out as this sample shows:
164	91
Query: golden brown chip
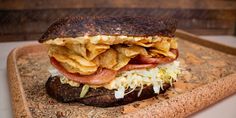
82	61
58	50
63	51
153	54
122	61
96	61
164	45
108	59
73	66
82	71
78	48
131	51
95	50
173	44
168	54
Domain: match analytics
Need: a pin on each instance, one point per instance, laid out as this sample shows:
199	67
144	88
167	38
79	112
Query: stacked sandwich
110	61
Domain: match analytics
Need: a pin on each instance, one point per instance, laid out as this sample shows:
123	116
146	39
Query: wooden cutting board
208	75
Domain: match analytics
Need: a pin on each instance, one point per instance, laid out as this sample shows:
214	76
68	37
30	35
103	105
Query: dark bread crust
120	25
100	97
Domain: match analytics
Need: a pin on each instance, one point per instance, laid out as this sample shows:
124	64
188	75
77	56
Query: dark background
28	19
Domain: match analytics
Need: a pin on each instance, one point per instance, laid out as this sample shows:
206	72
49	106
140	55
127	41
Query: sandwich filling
115	62
157	76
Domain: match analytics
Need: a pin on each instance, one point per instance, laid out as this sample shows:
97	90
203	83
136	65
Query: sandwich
110	61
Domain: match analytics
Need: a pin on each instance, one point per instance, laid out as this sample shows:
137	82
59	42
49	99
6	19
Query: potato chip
122	61
108	59
72	61
58	49
95	50
82	61
173	44
164	45
131	51
78	48
72	55
153	54
82	70
168	54
96	61
74	67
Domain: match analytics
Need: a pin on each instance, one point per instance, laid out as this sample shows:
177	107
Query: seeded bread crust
121	25
100	97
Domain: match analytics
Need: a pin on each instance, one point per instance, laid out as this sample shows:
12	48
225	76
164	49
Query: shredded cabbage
84	91
53	71
120	93
157	76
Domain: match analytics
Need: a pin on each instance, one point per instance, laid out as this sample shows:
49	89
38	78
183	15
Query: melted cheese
104	39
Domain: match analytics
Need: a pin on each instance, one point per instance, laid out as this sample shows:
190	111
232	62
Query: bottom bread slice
100	97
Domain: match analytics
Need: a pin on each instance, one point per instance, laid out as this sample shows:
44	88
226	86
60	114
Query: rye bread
100	97
120	25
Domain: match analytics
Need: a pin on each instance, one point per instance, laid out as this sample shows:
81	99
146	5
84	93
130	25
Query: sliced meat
142	62
149	60
137	66
102	76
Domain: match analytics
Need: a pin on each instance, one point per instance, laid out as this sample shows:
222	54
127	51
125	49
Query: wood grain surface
27	19
197	87
184	4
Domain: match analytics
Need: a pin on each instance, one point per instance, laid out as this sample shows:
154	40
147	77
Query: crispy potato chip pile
86	55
